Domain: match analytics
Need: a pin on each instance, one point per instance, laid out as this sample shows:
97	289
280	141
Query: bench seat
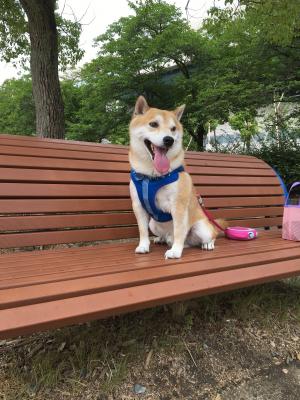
41	290
55	192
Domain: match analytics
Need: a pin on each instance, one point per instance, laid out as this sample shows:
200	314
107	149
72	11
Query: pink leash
208	214
234	232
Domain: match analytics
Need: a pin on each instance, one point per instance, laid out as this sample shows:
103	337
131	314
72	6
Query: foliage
17	114
278	20
14	37
286	161
246	124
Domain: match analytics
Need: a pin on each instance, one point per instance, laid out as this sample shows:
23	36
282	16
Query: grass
99	357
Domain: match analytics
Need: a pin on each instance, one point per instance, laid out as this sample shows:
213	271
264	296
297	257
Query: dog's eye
153	124
173	129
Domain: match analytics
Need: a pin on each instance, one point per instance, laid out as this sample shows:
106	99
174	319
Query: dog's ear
179	111
141	106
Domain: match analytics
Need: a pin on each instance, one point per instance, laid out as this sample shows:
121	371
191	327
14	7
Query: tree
144	53
38	18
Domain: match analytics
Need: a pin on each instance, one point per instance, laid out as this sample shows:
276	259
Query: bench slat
50	176
82	165
68	236
77	287
96	264
57	313
206	159
120	232
74	205
20	223
113	149
12	259
82	191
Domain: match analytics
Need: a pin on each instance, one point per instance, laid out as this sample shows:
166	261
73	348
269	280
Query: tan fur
190	225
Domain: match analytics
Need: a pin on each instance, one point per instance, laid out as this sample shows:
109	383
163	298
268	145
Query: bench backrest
54	191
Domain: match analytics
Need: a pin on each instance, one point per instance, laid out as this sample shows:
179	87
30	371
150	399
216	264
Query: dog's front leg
180	226
180	215
142	218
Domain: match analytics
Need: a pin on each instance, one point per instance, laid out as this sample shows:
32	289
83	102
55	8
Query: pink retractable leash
234	232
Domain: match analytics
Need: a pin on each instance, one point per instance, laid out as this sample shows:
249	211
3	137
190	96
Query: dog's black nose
168	141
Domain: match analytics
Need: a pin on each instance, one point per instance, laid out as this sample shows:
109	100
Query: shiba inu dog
162	193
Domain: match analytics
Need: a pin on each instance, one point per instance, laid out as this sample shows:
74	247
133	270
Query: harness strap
148	186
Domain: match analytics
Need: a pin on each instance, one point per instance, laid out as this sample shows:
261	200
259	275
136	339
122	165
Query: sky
96	15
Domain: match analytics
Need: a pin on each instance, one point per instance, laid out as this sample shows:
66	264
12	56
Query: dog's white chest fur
166	197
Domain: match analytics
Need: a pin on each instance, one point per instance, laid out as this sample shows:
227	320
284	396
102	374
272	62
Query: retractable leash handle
234	232
288	195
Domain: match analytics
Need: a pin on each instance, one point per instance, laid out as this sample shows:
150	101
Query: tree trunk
44	68
199	136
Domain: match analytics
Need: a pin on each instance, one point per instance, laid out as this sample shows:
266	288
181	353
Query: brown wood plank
17	297
235	180
247	212
212	170
63	205
58	141
68	236
226	164
73	205
222	157
50	176
92	265
76	165
122	248
24	261
21	223
65	221
109	256
65	164
81	191
50	153
257	222
27	319
53	144
79	155
60	190
248	201
93	144
31	223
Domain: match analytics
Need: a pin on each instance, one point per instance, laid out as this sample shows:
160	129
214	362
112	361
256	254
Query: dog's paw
173	253
208	246
159	240
142	249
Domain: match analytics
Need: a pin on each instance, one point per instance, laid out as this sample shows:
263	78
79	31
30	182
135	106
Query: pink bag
291	217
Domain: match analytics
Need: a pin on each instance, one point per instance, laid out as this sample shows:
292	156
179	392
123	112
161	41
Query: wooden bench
57	192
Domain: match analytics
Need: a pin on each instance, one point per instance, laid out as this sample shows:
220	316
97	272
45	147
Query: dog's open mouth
159	157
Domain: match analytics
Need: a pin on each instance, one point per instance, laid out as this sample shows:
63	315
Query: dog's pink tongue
161	162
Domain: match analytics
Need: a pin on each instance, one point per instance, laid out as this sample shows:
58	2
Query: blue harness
147	187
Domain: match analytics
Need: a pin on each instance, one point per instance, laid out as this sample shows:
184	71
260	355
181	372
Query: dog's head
155	139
